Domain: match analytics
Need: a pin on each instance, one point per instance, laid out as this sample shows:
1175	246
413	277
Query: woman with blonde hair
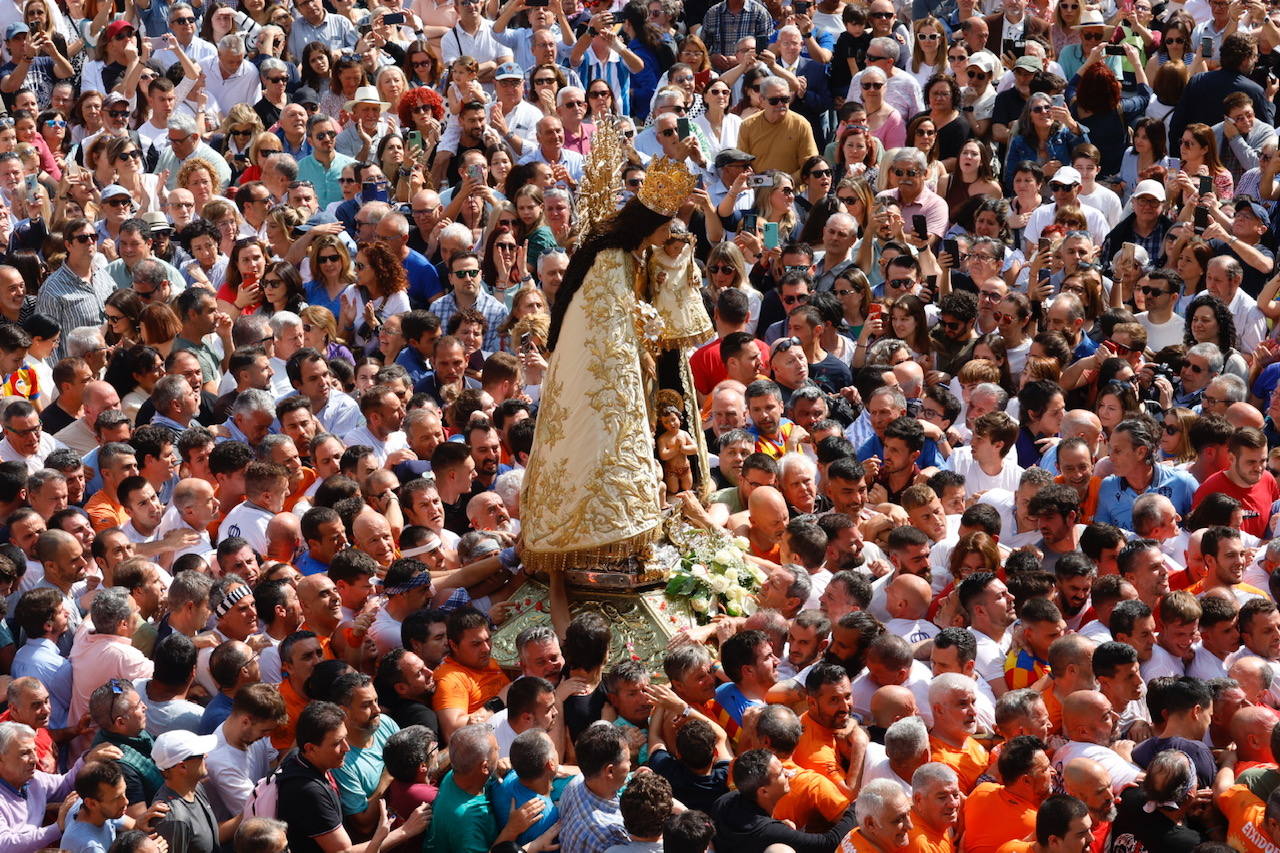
727	268
126	158
281	222
331	273
776	203
241	125
528	300
929	56
263	146
1064	28
320	332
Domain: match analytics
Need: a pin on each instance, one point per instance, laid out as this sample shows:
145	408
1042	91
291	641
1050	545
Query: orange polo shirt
817	750
104	512
308	479
993	815
969	761
459	686
1089	506
856	842
1054	707
1018	845
283	736
925	839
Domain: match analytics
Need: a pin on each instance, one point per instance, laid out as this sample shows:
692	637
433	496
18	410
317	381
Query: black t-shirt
696	792
831	374
953	135
1008	106
308	802
1138	831
53	418
847	46
582	711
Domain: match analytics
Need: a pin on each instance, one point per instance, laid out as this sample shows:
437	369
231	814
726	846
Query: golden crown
667	185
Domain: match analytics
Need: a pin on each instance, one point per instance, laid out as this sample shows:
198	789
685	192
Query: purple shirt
21	812
928	203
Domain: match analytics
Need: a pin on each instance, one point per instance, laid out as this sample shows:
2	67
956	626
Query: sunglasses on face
796	299
572	104
130	155
328	259
118	113
928	37
900	283
185	21
906	173
875	87
820	173
1194	368
1175	40
1002	317
881	16
976	75
599	94
326	135
951	325
718	268
118	202
1092	36
1061	188
467	273
1118	349
634	182
114	318
276	80
84	238
847	200
121	36
957	57
1152	292
55	122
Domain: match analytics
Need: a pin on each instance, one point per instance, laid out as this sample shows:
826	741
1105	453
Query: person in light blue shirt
1133	458
533	761
367	731
42	614
94	822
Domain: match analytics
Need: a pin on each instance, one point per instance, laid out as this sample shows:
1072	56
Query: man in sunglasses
1065	186
901	91
729	164
184	26
323	166
1145	226
914	198
953	337
1164	325
512	116
777	137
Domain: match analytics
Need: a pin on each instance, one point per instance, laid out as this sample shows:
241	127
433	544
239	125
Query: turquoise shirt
328	190
460	823
361	771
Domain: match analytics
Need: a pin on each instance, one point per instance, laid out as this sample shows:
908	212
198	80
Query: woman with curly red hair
422	109
1099	108
380	292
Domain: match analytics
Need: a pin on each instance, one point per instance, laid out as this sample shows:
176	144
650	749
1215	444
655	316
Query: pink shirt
98	658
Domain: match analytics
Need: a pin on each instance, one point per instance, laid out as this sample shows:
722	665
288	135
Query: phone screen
683	128
749	222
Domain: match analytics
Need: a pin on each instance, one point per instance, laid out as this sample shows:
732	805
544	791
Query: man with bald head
907	599
371	533
79	435
1254	676
1070	669
284	537
1089	723
889	704
1255	733
1076	423
1090	783
321	605
1241	415
424	281
763	522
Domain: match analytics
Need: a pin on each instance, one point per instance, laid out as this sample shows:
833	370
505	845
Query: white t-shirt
976	480
1206	665
991	655
385	631
249	522
1161	335
234	772
1122	772
1161	664
917	682
913	630
1105	201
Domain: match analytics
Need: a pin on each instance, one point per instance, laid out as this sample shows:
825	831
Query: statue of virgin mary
591	493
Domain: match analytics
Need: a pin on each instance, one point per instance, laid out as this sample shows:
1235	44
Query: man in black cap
730	163
1241	238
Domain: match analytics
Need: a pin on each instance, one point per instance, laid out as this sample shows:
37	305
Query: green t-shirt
460	822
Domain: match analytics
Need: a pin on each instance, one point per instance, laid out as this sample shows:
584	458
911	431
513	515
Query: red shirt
1256	500
708	369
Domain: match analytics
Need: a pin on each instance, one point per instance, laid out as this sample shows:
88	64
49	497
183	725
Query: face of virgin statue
657	238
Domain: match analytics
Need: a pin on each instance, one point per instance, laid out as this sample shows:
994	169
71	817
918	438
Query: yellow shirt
783	146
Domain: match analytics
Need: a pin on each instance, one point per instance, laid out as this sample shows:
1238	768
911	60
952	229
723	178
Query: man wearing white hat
360	138
1093	31
1145	225
1065	186
190	823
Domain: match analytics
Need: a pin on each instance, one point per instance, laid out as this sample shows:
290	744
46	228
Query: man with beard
848	590
538	652
1246	479
1090	783
952	698
1088	720
989	607
993	813
470	676
808	636
367	732
486	453
1119	675
827	744
1073	580
1056	509
405	687
384	416
65	567
486	511
1075	466
935	807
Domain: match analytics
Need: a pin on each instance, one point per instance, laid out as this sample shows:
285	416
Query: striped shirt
73	302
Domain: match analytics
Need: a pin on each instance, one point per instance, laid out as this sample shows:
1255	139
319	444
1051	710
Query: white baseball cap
174	747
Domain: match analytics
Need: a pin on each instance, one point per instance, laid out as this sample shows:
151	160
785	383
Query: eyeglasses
875	87
820	173
796	299
181	139
906	173
1185	142
989	296
467	273
1092	36
951	325
682	79
882	16
326	134
1153	292
35	430
574	104
55	122
1039	109
118	201
928	37
599	94
184	21
719	268
113	318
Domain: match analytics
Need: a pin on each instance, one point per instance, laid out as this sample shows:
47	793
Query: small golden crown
667	185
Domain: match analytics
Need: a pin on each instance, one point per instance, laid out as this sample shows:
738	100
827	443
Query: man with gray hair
279	171
286	339
552	266
1200	365
107	651
424	281
23	820
935	802
182	142
1223	278
777	137
252	414
838	236
884	817
913	197
901	90
176	403
1220	393
906	749
231	79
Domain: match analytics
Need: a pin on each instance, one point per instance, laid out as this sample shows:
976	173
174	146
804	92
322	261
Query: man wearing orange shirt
281	450
299	654
1070	669
935	809
995	813
469	676
884	820
955	719
1252	825
814	803
116	461
824	746
1075	464
1062	825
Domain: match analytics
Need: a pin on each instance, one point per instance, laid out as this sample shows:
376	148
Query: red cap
116	27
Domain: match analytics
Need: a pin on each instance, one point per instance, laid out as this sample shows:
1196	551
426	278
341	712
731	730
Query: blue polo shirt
929	456
1116	496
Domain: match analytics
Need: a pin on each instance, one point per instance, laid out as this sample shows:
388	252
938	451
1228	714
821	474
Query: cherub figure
675	446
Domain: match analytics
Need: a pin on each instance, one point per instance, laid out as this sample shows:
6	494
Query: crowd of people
991	402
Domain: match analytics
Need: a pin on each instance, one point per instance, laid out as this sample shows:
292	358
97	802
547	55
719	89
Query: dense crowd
992	402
